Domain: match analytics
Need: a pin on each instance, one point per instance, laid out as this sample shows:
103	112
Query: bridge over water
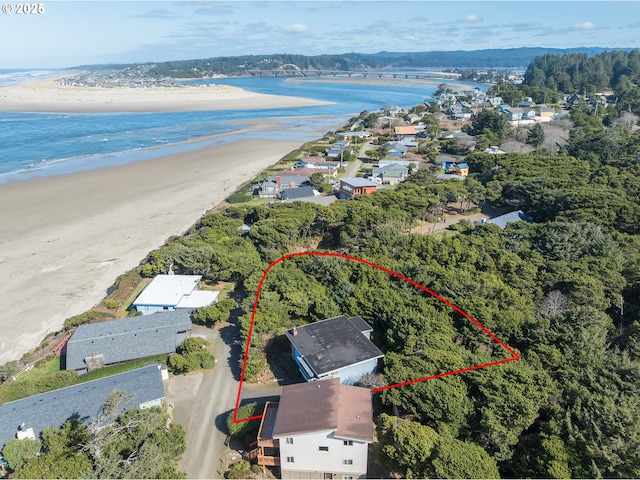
291	70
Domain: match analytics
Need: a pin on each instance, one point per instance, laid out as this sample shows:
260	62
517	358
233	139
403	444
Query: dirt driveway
202	401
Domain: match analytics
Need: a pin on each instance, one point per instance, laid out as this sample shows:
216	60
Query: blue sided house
337	347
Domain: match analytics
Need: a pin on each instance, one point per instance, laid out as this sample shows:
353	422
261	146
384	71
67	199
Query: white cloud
585	26
157	14
296	28
471	19
213	10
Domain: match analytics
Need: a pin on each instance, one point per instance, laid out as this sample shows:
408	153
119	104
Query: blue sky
89	32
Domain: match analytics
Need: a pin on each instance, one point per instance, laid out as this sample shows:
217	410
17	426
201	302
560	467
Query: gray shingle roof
358	182
391	170
83	402
299	192
334	343
285	180
502	220
127	339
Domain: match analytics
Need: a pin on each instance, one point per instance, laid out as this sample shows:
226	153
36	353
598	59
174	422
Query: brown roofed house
318	429
404	131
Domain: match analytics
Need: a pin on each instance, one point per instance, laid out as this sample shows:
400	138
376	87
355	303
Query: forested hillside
579	73
240	65
564	291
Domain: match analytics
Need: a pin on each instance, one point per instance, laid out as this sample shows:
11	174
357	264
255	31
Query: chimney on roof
295	331
278	182
292	185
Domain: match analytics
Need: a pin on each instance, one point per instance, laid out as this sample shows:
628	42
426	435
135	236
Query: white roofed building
172	292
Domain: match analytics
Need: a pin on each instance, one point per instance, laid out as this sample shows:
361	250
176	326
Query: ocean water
42	144
10	77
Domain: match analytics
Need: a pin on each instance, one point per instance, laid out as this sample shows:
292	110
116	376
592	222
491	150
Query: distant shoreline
47	95
384	81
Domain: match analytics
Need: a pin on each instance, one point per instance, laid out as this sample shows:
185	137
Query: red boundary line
514	357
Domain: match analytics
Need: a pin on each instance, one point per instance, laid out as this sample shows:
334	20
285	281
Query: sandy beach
65	239
49	96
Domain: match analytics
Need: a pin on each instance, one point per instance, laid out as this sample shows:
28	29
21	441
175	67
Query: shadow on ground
230	335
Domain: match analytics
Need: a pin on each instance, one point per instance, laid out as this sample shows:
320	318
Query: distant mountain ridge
517	58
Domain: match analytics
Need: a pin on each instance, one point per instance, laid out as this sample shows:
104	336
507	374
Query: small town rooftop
358	182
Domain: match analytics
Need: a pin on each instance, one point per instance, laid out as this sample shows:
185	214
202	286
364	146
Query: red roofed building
403	131
352	187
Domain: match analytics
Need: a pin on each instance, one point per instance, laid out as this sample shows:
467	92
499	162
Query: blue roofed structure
516	216
105	343
81	402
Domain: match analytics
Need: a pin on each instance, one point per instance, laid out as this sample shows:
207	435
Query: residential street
202	401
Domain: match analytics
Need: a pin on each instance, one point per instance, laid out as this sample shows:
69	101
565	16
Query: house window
289	459
289	441
348	443
323	449
328	476
347	462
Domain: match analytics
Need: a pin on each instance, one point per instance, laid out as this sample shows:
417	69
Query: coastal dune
49	96
65	239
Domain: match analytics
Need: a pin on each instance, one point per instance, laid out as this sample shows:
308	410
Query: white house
318	430
338	347
171	292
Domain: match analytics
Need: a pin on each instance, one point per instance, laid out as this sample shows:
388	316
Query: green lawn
122	367
50	366
442	234
43	368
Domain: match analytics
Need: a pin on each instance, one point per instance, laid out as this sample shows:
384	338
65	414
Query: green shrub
255	364
218	312
235	474
192	355
242	429
240	197
85	317
16	390
177	364
241	466
17	452
207	361
191	345
112	304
